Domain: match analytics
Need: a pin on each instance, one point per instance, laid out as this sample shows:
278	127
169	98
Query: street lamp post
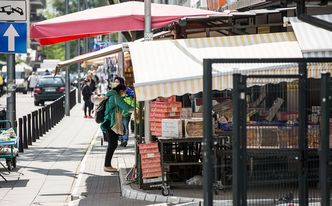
78	64
67	98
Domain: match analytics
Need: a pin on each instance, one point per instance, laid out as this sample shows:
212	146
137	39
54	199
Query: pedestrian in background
32	82
2	82
87	93
114	102
130	100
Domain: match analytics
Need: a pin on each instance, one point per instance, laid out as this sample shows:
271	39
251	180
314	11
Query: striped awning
175	67
313	41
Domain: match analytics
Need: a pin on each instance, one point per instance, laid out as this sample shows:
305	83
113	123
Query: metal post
78	71
20	145
237	184
67	90
78	64
33	127
25	138
11	87
44	120
37	125
40	127
148	36
207	134
120	70
47	118
29	130
303	130
324	145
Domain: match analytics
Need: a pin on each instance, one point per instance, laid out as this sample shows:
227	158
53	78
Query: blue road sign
13	37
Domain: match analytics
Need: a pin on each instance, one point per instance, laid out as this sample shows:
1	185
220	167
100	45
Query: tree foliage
56	51
60	8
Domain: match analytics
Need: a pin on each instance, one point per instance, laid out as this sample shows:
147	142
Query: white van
22	72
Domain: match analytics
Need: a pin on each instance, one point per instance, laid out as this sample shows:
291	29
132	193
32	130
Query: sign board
13	37
13	11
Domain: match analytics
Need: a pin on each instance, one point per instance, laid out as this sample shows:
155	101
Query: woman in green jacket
114	102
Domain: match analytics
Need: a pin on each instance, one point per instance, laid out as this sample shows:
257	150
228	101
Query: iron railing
36	124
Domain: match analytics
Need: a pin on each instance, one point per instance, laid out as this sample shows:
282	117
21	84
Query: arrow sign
11	33
13	37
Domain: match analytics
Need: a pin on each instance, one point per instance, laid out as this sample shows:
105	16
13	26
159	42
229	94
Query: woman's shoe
110	169
124	144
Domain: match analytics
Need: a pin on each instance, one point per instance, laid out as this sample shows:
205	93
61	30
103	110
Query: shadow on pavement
105	190
13	183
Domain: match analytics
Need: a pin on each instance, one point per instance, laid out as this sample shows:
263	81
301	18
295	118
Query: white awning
313	41
92	55
175	67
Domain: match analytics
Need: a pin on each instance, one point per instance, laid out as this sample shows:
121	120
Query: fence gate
281	147
267	148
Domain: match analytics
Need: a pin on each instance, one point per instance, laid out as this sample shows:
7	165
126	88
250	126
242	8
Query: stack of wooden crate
161	109
150	160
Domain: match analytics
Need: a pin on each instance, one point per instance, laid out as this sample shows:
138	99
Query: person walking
114	102
87	93
32	82
2	82
129	99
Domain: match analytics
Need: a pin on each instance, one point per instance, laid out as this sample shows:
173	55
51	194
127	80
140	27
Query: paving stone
125	192
185	199
133	194
141	196
160	198
150	197
174	200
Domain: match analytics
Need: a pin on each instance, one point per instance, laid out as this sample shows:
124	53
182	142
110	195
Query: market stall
174	67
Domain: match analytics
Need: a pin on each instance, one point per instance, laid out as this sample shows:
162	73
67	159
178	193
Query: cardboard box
186	113
172	128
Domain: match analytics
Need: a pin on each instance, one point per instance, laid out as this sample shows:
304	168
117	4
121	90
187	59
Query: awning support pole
148	36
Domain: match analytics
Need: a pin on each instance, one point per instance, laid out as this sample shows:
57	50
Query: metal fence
34	125
279	152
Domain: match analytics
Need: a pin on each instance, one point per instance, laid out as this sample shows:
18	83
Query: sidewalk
46	171
65	167
96	187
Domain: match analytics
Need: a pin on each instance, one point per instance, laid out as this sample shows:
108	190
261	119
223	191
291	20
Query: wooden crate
194	127
150	160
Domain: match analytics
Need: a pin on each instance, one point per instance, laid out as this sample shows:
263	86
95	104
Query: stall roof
174	67
314	41
103	53
92	55
127	16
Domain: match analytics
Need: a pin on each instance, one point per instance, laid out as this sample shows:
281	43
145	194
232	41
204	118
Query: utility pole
11	87
78	64
148	36
120	57
67	95
86	40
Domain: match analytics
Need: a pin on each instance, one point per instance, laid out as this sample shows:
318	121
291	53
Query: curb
130	193
74	196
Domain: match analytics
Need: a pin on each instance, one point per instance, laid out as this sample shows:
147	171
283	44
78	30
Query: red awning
128	16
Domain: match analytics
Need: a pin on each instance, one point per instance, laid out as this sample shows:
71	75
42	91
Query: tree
56	51
61	9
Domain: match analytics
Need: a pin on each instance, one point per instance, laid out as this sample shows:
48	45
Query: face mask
115	84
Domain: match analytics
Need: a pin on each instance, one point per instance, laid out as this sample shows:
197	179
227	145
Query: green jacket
111	108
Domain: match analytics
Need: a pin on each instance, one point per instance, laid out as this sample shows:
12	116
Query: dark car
49	88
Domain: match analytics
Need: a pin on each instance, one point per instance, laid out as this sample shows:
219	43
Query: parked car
22	72
48	88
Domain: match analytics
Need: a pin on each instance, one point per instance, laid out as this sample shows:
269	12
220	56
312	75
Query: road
24	104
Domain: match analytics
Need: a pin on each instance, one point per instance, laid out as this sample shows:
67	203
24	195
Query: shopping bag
118	125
